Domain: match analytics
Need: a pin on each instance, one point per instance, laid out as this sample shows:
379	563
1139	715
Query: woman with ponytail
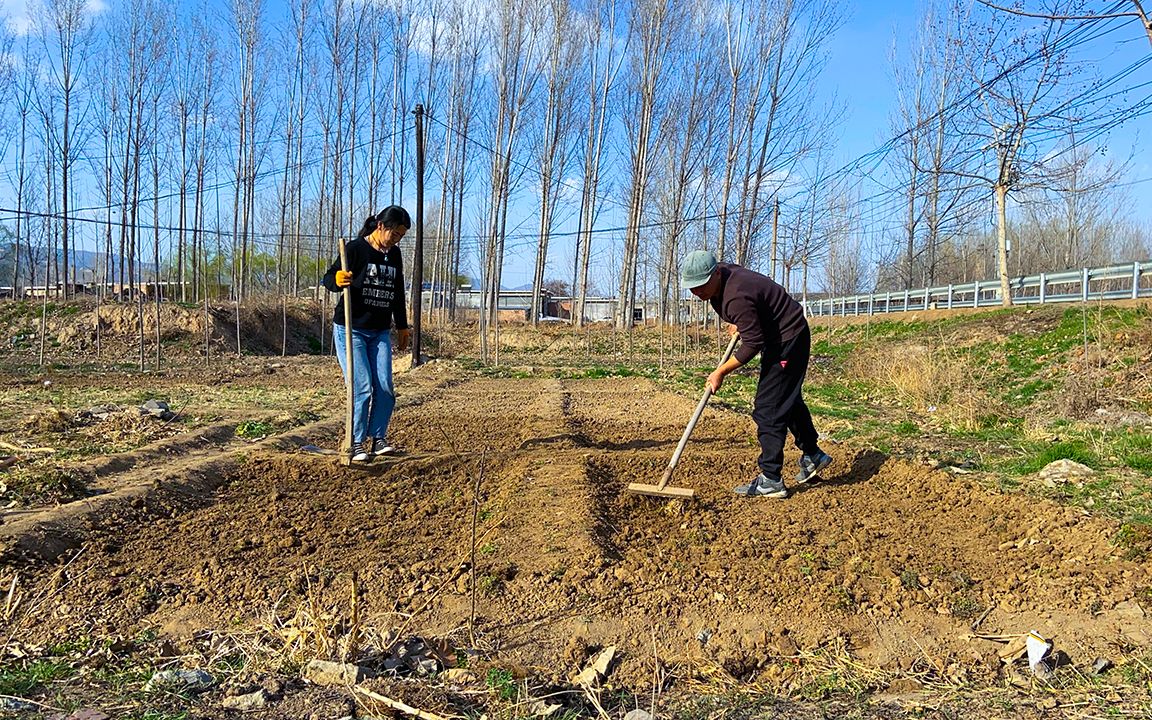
375	279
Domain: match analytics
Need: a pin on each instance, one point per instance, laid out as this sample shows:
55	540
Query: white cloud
18	13
19	21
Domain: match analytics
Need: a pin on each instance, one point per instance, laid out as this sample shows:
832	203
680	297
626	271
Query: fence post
949	296
1084	285
904	307
871	303
976	294
1043	288
887	302
927	294
1135	280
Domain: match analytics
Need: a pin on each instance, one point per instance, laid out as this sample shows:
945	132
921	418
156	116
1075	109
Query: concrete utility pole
775	233
418	251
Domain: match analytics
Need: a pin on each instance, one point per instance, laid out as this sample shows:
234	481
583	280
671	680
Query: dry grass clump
928	380
51	420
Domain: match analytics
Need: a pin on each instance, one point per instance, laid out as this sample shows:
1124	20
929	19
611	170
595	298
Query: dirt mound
892	564
77	329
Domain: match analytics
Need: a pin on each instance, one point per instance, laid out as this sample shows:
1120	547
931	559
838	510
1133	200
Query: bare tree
603	60
515	32
23	91
654	24
66	31
687	145
554	146
1028	91
1138	12
794	55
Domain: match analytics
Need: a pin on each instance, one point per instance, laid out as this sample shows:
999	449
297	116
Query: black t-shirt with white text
377	290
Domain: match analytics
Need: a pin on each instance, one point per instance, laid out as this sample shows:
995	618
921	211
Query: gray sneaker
811	465
763	486
380	446
362	451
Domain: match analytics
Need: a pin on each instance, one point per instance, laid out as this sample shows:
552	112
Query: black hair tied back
369	227
392	216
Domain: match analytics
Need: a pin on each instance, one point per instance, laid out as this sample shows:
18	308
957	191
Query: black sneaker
763	486
380	446
362	451
811	465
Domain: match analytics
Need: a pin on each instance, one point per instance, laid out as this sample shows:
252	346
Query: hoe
346	455
662	490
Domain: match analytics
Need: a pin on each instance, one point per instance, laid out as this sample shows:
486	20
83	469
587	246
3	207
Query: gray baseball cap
697	268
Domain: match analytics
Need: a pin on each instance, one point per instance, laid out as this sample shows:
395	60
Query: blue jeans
373	396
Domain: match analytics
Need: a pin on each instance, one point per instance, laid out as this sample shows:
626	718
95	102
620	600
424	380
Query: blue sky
856	78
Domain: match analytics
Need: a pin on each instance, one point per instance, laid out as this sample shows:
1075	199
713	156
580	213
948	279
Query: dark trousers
780	407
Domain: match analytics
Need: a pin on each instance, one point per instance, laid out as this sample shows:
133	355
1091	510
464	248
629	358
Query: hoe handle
346	457
695	418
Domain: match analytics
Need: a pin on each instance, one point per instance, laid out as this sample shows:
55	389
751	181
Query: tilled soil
892	563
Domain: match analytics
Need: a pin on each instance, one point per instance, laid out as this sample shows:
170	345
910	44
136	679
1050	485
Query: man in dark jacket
772	324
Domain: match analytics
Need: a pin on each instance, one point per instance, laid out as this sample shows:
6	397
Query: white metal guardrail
1116	282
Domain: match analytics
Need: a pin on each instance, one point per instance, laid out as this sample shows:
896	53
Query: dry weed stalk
929	380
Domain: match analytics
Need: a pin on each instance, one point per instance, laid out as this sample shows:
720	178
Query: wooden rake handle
695	418
346	457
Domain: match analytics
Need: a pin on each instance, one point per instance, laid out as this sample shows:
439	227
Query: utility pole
418	252
775	233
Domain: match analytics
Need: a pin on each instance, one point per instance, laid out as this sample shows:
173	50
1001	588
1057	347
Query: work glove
343	278
402	338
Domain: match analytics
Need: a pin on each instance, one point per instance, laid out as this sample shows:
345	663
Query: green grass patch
502	683
33	484
255	429
907	427
1135	538
1040	455
20	680
1135	451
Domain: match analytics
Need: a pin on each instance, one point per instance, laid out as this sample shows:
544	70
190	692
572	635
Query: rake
662	490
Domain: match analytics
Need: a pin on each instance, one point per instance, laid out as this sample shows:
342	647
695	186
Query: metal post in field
927	294
887	302
1135	280
905	306
871	303
976	294
1084	285
949	296
1043	288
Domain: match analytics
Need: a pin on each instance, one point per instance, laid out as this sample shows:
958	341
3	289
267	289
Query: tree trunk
1001	194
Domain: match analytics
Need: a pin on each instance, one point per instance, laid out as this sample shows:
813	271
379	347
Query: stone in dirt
85	714
98	412
1063	471
597	670
544	709
190	679
638	714
157	409
323	672
8	704
250	701
458	676
1120	416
